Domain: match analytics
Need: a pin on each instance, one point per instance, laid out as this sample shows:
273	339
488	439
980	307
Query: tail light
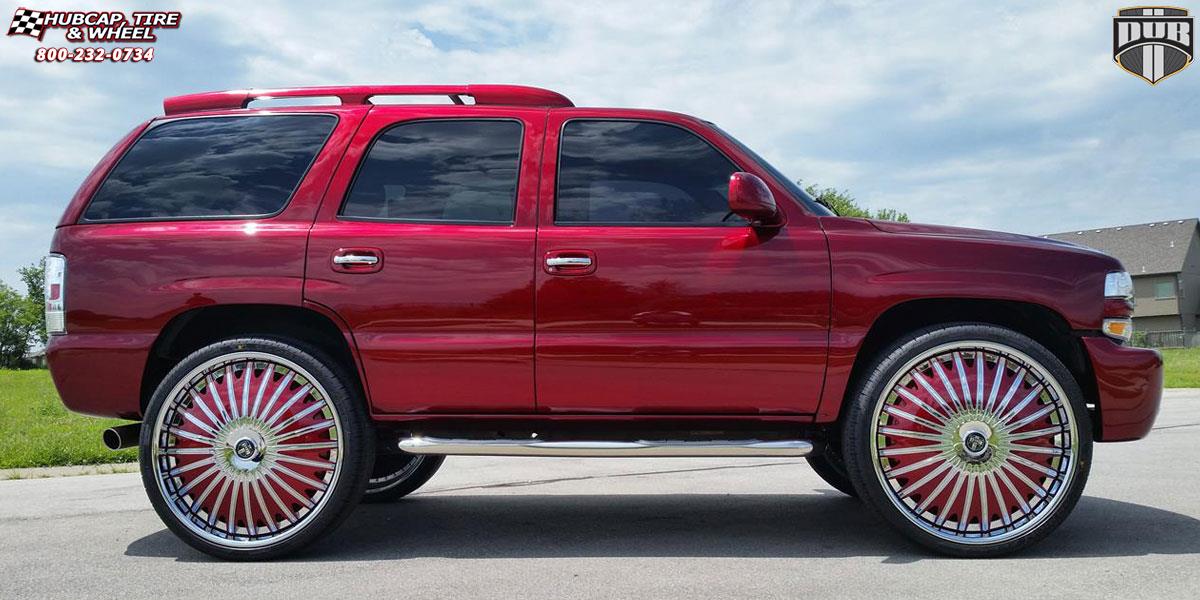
1118	306
56	275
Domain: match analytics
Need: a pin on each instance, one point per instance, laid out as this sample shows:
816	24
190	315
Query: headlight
1118	284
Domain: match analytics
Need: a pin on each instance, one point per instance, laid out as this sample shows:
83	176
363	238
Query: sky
1008	116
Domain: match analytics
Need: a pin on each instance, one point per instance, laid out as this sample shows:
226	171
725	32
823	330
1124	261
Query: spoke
307	430
198	423
920	379
962	379
1036	449
1012	390
985	517
916	485
892	410
314	407
295	460
915	400
214	513
289	489
941	373
187	451
302	392
1021	460
211	388
1003	477
191	466
283	385
287	511
262	388
233	405
964	519
330	445
912	450
306	480
1045	410
262	505
1037	489
195	437
181	492
1034	393
246	508
894	473
231	521
1001	366
198	401
937	490
1004	514
979	365
198	503
1036	433
247	372
958	484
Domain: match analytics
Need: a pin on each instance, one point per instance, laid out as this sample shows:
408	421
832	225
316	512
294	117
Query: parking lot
624	528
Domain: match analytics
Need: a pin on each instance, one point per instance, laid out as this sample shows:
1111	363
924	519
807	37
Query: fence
1167	339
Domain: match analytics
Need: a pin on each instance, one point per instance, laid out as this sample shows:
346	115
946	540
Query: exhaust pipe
123	436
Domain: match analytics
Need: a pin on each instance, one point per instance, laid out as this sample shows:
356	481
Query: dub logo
1152	42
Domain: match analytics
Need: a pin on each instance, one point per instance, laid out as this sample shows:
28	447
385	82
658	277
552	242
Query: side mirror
751	199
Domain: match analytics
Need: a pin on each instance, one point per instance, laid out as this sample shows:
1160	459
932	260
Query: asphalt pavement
560	528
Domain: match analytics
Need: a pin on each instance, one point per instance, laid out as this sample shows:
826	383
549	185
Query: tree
842	203
22	318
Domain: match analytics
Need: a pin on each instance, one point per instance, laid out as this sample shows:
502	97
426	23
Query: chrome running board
599	448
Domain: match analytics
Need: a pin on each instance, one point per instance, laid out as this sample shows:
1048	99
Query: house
1164	259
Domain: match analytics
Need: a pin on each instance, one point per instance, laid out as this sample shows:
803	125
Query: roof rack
506	95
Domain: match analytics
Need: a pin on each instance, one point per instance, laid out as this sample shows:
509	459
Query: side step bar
600	448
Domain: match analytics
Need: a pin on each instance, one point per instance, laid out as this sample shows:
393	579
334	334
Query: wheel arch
193	329
1038	322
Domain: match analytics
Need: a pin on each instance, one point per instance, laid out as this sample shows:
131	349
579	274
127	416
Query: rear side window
462	171
212	167
640	173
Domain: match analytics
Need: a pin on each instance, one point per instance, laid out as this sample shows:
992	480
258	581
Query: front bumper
1129	384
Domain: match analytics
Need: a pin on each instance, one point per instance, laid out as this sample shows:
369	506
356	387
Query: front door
651	297
423	247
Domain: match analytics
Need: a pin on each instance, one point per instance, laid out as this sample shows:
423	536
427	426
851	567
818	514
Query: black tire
331	397
832	469
397	475
868	424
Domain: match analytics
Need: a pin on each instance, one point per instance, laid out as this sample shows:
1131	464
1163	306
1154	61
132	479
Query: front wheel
254	448
971	439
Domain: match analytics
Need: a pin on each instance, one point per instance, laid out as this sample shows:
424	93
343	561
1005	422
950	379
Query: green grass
37	431
1182	367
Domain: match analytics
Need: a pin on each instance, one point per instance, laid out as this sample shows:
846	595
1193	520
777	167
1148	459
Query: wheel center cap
974	438
245	449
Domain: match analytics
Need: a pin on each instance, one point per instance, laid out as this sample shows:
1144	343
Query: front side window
212	167
640	173
461	171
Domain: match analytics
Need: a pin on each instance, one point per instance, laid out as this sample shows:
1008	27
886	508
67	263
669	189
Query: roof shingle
1144	249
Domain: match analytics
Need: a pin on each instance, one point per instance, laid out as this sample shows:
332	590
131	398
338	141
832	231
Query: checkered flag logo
28	22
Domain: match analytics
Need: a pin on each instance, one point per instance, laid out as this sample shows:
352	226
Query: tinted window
212	167
461	171
628	172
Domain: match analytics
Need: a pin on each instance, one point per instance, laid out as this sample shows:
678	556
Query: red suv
306	306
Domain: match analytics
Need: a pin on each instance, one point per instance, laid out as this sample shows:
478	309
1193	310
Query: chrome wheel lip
160	477
1059	489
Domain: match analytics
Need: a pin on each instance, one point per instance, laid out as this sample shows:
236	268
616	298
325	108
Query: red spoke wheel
972	438
252	448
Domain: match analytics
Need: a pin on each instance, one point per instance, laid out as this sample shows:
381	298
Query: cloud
1007	116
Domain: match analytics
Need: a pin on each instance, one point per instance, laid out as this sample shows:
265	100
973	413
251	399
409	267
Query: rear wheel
971	439
398	474
254	448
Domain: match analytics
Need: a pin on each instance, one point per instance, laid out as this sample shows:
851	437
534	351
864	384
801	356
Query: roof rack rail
505	95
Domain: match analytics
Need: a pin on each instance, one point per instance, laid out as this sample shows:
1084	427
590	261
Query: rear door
651	298
423	247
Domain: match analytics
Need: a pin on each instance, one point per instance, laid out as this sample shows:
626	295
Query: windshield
792	187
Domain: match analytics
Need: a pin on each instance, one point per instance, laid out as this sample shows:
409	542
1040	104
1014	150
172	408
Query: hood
966	232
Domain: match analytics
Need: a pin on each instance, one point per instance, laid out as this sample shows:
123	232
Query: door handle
570	262
357	260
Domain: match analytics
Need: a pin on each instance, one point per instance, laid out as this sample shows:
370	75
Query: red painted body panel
700	325
1129	384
